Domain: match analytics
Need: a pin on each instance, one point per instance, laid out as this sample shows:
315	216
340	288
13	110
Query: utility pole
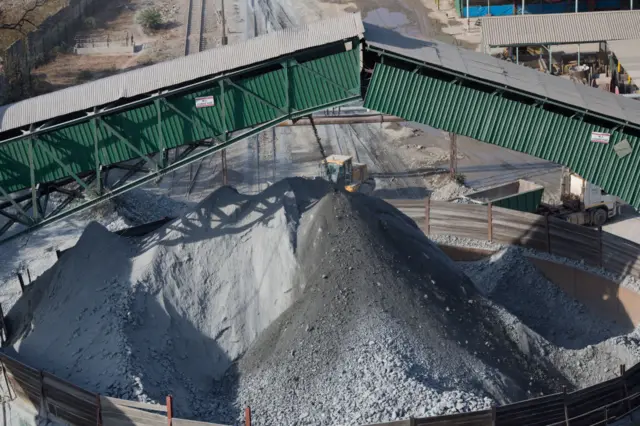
224	41
453	154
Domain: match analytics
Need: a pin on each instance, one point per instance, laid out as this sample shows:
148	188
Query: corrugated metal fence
70	404
504	226
599	404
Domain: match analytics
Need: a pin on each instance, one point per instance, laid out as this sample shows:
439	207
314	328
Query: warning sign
205	102
600	137
622	148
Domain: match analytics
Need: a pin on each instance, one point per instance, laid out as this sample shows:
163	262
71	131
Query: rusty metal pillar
453	154
223	154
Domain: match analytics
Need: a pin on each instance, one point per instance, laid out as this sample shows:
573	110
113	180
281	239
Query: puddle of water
408	17
383	17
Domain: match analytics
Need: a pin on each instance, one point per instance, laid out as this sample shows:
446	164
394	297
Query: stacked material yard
584	345
312	305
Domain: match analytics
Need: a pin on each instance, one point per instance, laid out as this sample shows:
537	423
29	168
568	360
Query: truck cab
590	204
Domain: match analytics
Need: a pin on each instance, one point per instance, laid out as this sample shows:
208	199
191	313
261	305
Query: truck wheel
599	217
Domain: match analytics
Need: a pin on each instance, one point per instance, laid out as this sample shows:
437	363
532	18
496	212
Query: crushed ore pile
586	347
170	313
311	305
387	327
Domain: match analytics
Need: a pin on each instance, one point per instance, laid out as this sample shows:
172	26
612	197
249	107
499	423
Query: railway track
195	42
196	20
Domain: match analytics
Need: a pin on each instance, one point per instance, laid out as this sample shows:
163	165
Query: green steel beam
323	77
223	115
187	118
66	168
178	164
28	220
129	144
32	173
14	218
465	76
96	150
256	96
160	134
288	87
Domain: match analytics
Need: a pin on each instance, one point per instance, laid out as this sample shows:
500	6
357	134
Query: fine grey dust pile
311	305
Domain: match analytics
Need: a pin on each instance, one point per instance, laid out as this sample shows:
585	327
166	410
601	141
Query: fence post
600	254
493	414
546	223
427	215
623	379
43	398
169	409
247	416
564	402
98	410
5	335
58	254
490	222
21	281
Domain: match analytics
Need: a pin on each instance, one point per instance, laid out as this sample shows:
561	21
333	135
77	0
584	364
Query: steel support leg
223	153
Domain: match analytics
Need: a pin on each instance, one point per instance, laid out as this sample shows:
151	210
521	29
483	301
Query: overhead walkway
214	99
505	104
224	95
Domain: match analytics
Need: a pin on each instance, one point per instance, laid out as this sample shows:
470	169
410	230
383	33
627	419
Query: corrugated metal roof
628	54
506	74
177	71
561	28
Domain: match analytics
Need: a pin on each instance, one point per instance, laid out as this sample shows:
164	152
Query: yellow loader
341	169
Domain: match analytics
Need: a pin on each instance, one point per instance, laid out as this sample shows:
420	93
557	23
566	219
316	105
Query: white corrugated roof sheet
177	71
505	74
560	28
628	54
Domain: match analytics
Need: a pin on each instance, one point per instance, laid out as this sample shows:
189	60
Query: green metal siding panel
527	202
509	124
74	145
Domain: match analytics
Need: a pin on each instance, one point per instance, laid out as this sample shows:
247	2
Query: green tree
150	19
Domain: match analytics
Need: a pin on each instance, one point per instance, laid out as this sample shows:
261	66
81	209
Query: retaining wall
600	404
545	234
111	50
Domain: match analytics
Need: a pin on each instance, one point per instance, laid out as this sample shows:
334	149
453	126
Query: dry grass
68	69
12	10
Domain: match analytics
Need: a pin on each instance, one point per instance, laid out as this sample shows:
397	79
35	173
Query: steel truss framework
85	190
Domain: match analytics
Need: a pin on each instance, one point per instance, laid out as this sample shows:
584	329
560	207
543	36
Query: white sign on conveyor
600	137
205	102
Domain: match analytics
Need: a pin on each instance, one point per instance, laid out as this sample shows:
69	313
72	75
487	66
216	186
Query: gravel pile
311	305
511	280
449	191
584	347
172	312
387	327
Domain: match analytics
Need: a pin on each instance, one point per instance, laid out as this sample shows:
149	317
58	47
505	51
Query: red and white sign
600	137
205	102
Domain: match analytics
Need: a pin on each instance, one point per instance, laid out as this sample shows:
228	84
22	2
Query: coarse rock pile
386	327
171	313
508	275
311	305
584	346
